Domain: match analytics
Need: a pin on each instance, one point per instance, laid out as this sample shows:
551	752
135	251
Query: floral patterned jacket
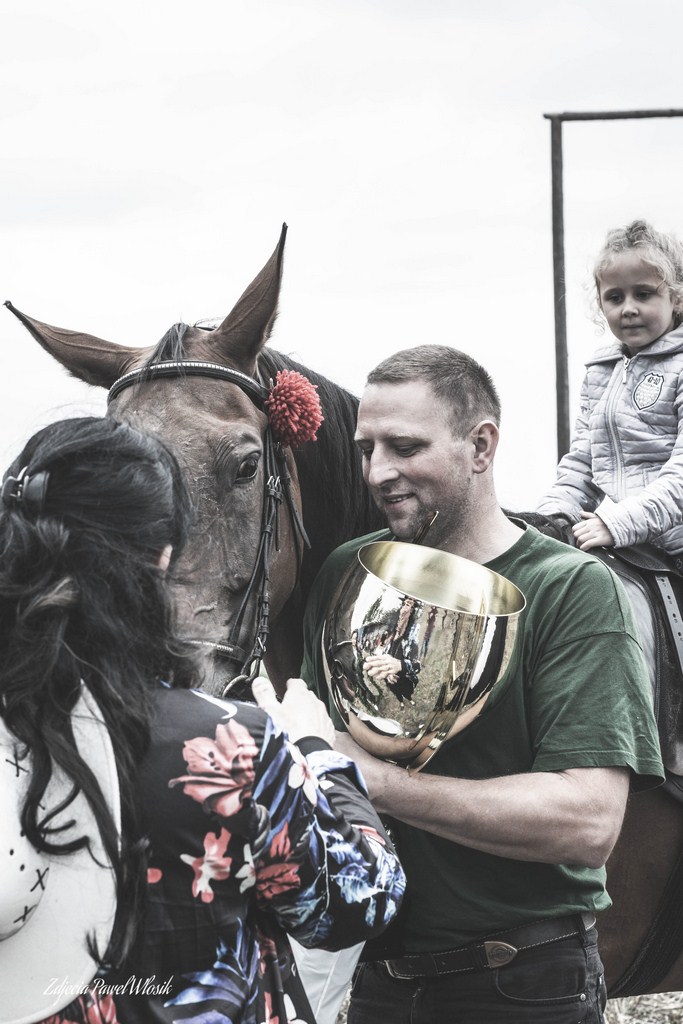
249	840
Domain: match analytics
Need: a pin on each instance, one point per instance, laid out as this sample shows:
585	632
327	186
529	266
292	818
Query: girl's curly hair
662	252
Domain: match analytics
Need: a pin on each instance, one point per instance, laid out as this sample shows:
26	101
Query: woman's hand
300	713
592	533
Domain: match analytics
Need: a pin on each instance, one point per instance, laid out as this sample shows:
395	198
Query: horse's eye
248	467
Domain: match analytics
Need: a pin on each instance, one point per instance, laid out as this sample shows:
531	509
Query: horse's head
217	429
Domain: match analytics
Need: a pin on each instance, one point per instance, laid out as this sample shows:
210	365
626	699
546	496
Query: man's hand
300	713
592	533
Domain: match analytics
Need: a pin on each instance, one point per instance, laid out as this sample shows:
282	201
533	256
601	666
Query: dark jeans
561	983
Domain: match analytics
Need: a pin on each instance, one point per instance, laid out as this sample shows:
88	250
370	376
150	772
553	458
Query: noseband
278	483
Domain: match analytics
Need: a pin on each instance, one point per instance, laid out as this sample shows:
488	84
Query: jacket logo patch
648	390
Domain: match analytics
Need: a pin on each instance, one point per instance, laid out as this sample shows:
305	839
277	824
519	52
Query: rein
277	484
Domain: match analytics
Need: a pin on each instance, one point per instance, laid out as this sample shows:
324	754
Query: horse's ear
247	327
89	358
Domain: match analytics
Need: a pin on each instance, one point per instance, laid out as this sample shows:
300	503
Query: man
505	833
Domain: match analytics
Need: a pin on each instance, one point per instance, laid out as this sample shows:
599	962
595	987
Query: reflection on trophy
414	642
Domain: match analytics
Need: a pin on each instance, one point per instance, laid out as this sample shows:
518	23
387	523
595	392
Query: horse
201	390
247	571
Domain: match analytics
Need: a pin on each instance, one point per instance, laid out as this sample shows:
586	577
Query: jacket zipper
611	429
626	363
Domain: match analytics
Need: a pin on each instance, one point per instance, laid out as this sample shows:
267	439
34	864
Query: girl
221	838
621	483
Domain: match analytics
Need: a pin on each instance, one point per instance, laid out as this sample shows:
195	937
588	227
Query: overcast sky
152	150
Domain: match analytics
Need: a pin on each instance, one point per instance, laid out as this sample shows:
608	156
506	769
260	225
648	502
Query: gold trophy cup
444	628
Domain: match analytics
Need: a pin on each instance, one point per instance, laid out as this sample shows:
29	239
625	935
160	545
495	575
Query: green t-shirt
576	694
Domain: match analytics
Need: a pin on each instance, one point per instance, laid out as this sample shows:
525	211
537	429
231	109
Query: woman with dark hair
156	843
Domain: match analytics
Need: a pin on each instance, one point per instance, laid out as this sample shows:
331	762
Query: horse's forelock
171	347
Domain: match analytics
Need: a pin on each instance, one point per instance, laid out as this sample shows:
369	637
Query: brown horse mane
335	500
336	504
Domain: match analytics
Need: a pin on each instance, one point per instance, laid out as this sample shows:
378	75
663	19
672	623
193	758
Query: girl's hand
300	713
592	533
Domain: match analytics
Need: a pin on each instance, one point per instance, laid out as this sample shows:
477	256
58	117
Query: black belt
491	951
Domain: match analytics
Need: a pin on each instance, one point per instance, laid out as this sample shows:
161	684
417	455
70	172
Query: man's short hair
458	380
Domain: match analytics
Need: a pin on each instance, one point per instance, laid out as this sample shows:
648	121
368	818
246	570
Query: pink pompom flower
293	408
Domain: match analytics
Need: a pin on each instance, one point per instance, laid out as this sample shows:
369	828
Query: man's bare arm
567	817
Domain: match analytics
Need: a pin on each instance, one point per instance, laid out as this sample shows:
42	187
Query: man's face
412	463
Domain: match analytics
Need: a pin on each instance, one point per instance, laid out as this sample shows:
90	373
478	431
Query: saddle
653	581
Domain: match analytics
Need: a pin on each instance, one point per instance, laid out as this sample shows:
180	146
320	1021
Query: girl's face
636	302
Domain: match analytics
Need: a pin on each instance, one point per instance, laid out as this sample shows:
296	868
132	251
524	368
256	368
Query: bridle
277	484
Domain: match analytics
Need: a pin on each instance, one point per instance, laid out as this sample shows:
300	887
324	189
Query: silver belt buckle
498	953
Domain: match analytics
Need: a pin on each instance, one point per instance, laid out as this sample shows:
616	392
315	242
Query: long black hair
83	598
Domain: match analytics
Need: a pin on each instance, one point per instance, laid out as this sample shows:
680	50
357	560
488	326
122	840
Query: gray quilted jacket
626	456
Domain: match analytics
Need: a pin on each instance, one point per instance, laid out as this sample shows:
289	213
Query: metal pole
616	115
559	290
561	360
